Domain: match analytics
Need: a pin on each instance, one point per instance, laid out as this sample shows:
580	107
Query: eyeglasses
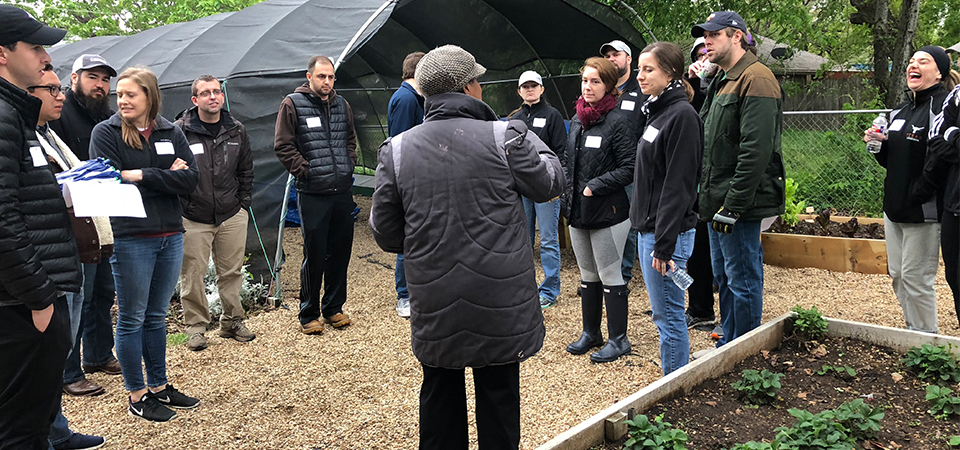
210	93
54	90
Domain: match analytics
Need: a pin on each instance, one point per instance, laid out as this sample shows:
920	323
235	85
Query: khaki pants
228	242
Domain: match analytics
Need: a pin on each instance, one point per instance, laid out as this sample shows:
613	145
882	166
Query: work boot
617	344
591	302
235	329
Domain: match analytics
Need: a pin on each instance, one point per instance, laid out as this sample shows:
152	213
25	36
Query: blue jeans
145	271
401	278
629	250
666	300
94	328
737	260
549	220
60	430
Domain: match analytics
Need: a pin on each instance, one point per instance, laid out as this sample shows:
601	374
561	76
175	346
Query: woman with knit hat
598	165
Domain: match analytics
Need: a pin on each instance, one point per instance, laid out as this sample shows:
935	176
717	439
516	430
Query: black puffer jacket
160	186
903	155
75	125
601	157
448	197
668	172
38	253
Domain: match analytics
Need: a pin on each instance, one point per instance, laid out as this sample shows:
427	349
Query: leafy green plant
809	324
953	441
792	207
753	445
814	432
942	404
177	339
840	371
656	435
933	363
860	419
759	387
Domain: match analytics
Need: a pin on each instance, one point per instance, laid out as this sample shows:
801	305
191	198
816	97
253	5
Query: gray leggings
599	252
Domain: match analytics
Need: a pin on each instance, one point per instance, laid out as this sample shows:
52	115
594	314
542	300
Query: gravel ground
358	387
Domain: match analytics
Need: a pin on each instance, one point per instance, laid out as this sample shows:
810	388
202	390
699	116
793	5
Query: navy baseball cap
17	25
718	21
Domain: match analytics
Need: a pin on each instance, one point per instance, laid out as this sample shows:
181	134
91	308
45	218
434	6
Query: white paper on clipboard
112	199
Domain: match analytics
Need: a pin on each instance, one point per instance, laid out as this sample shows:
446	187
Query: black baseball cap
718	21
18	25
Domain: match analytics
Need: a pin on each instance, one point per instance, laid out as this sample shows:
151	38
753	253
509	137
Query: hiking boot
236	330
312	327
698	322
403	307
149	408
546	302
197	342
717	333
591	304
173	398
338	320
111	367
79	441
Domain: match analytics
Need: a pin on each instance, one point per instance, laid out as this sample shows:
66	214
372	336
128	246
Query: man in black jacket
316	142
215	215
38	254
86	105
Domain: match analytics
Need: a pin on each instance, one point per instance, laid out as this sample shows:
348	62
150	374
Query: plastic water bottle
879	126
680	277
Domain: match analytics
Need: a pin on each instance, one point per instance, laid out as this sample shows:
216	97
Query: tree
88	18
893	36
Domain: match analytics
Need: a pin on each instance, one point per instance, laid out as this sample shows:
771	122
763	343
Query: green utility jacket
742	161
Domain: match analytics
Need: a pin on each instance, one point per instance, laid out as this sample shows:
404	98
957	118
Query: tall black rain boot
617	344
591	301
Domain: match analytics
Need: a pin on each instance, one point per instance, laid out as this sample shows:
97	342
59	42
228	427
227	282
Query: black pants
950	247
443	408
327	225
699	267
31	375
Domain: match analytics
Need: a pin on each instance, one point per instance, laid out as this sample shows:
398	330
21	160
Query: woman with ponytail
153	155
665	192
598	166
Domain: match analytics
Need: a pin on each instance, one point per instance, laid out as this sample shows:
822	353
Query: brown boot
312	327
235	329
83	388
338	320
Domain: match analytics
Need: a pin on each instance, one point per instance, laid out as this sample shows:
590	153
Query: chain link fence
824	153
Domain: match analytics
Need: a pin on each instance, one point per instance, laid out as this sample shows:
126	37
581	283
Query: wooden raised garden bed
838	254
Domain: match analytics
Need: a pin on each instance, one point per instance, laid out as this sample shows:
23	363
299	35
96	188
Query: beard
98	107
621	71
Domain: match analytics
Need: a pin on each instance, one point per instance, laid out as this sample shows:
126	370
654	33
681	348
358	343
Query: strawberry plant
942	404
814	432
656	435
842	372
860	419
933	363
809	323
759	387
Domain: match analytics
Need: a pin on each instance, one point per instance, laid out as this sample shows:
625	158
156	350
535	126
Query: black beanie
941	58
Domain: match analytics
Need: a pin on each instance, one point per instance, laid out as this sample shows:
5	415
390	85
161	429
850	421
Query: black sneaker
171	397
149	408
700	322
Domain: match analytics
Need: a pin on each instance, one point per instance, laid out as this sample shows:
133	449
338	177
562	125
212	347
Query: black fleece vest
322	131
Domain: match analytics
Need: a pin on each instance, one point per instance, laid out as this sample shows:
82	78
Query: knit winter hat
940	58
446	69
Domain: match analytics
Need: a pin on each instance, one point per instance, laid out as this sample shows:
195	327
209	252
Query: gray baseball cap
617	45
90	61
446	69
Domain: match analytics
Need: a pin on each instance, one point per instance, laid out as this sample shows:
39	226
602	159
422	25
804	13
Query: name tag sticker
36	154
197	149
650	134
593	141
539	122
164	148
628	105
897	125
313	122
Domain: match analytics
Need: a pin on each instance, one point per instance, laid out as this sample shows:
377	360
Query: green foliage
759	387
793	208
838	370
177	339
753	445
933	363
954	441
656	435
942	404
814	432
809	324
860	419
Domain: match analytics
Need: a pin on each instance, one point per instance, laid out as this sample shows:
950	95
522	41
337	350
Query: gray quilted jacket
448	197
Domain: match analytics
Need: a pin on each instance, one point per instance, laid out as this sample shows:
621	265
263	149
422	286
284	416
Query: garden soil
358	387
